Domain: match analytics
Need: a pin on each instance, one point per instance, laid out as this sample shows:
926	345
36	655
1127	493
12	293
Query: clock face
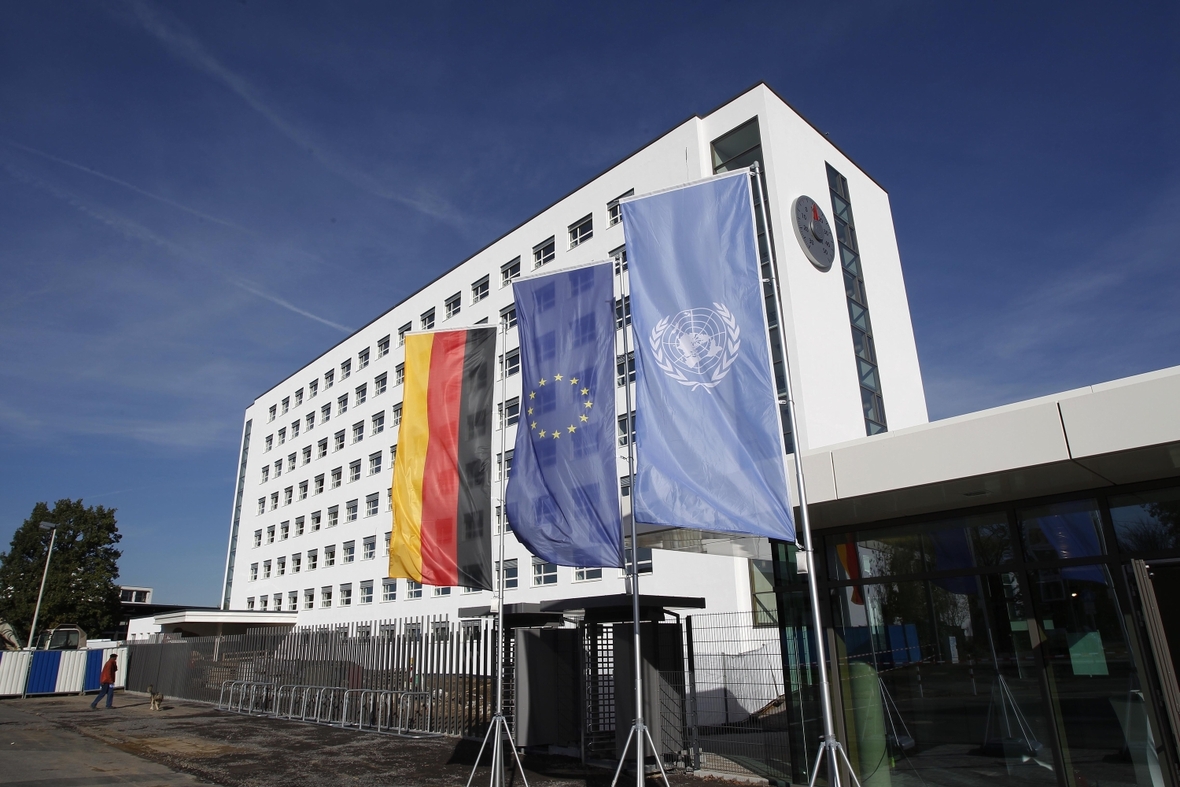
814	233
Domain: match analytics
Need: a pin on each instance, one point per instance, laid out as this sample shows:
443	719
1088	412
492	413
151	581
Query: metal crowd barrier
376	710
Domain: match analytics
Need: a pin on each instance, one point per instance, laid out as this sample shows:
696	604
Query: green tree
80	587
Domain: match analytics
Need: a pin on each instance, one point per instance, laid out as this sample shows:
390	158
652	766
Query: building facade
311	516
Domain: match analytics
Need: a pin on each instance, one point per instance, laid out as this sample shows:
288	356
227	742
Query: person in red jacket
106	682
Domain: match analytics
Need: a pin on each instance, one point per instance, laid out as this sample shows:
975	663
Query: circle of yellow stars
571	429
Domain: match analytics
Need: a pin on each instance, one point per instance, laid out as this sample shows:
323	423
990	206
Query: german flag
442	498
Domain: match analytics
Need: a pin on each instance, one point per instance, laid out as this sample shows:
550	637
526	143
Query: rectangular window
401	334
307	455
362	358
622	312
302	490
296	562
581	231
253	571
510	576
587	574
399	374
479	290
309	598
645	564
383	347
329	556
354	471
358	431
290	462
510	363
544	252
250	603
342	404
325	413
270	534
388	538
509	271
313	557
444	591
428	320
625	369
329	378
366	596
281	567
413	589
265	473
294	429
333	516
349	551
396	415
626	428
258	538
286	404
338	441
614	214
544	573
322	448
274	500
319	484
350	511
453	305
262	505
315	521
266	569
293	601
375	463
345	369
313	388
282	435
270	441
369	547
379	423
371	503
278	467
362	393
299	521
389	590
510	412
379	383
262	603
274	411
326	596
284	530
504	461
508	317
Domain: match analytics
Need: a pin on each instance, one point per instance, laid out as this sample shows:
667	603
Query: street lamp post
32	645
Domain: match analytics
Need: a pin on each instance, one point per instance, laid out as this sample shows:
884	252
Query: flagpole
830	745
639	730
499	726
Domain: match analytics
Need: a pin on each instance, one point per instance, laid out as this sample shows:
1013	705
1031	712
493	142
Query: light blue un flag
708	437
563	490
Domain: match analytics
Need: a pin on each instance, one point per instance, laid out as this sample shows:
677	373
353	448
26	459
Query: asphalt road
60	741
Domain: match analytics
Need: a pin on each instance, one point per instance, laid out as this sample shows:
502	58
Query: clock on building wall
814	233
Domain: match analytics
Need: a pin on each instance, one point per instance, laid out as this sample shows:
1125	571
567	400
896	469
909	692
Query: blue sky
198	198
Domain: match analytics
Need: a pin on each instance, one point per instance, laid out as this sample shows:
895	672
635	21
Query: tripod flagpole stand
830	747
499	729
639	730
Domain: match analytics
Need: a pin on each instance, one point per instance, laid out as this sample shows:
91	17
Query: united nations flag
563	496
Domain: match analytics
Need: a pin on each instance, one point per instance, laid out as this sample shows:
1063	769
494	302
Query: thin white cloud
186	47
288	305
123	183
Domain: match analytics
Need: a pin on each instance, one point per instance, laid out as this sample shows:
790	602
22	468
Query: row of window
348	555
350	508
544	574
313	387
361	395
339	440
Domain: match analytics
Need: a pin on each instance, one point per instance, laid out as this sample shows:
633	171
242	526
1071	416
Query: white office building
311	516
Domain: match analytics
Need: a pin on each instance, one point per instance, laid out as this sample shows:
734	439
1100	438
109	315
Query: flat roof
224	616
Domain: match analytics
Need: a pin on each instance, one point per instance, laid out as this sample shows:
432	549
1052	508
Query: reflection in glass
946	545
1148	521
1062	531
1093	680
939	682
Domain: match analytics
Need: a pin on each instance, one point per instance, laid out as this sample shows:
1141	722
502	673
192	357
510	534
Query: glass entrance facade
1001	646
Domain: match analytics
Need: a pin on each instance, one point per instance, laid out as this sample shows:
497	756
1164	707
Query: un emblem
696	347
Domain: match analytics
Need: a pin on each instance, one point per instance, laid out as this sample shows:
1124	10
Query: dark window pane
1148	521
1061	531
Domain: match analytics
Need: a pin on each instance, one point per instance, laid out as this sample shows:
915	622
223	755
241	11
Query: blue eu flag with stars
563	495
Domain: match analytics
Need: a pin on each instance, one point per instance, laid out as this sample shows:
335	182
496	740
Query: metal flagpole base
499	728
638	727
830	744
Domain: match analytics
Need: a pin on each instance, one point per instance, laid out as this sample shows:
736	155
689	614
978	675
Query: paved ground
60	741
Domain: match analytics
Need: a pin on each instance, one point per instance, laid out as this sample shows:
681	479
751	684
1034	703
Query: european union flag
709	441
563	490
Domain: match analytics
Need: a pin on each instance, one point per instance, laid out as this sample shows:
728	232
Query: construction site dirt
194	740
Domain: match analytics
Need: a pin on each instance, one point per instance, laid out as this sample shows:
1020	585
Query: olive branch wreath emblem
732	343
